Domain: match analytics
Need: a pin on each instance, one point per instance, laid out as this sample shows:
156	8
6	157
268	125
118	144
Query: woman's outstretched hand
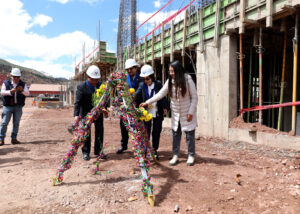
143	104
189	117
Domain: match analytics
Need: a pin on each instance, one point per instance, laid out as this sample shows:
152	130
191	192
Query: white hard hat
15	72
130	63
146	71
94	72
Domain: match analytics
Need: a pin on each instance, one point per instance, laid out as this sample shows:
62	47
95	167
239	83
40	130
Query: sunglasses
147	78
15	77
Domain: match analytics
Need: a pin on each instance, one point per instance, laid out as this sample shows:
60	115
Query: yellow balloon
131	90
145	113
142	118
148	117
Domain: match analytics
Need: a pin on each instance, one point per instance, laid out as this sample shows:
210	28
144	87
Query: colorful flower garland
132	118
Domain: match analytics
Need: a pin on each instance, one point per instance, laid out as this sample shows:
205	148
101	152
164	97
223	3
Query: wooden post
152	54
249	85
172	42
241	74
242	16
282	77
162	43
163	73
260	75
269	18
184	37
217	24
145	51
99	44
140	52
134	52
295	40
200	33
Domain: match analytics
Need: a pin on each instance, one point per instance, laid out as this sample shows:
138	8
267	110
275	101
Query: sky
48	35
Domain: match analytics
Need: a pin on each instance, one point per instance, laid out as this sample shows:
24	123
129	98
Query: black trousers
99	132
124	133
156	125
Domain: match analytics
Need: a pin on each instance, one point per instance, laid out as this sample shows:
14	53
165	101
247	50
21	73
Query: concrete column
216	85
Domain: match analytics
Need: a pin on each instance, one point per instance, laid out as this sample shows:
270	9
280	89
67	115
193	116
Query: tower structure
126	28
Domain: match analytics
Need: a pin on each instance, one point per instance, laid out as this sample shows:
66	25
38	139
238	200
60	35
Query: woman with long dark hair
183	94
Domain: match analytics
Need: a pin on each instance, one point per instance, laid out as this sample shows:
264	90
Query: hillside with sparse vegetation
30	75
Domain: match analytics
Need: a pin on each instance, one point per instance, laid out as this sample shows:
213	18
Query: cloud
158	18
61	1
17	41
116	20
157	3
47	67
41	20
91	2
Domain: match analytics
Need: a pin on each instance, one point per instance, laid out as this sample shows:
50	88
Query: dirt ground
270	179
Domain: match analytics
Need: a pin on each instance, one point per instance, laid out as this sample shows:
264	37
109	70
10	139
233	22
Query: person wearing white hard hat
149	88
13	92
83	105
133	80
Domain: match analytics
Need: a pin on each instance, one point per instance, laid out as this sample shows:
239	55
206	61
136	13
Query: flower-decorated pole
81	132
125	107
132	118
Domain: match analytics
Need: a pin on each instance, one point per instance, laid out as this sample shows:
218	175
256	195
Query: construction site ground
269	177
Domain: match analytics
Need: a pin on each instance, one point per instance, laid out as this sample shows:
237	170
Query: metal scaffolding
126	28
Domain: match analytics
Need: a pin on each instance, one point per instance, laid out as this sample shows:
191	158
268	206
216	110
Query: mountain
30	75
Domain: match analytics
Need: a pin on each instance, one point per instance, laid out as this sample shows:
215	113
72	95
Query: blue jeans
7	112
190	141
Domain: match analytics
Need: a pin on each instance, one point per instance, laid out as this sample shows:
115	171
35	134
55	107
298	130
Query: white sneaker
174	160
190	161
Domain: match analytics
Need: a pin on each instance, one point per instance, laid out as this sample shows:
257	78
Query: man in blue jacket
13	92
83	105
133	80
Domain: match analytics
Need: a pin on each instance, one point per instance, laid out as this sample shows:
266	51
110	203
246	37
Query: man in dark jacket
133	80
83	105
14	92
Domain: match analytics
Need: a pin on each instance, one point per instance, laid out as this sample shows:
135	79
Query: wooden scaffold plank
269	18
145	50
242	16
172	42
217	23
184	36
152	50
200	32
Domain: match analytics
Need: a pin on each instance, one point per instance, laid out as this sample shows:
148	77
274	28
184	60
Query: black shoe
15	141
1	142
86	157
156	155
121	150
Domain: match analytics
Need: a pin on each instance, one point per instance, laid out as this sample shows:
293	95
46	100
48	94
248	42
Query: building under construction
243	56
105	60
